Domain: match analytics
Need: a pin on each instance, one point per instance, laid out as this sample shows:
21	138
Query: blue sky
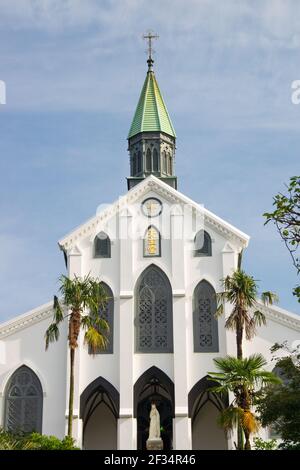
74	70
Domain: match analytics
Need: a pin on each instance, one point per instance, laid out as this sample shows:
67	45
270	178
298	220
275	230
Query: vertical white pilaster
127	433
127	428
182	438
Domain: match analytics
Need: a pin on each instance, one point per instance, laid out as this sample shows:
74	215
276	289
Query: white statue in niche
154	429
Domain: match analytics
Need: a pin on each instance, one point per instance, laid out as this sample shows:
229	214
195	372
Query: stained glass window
152	243
205	323
23	402
154	323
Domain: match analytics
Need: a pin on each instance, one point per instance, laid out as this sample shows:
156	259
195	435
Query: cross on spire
149	37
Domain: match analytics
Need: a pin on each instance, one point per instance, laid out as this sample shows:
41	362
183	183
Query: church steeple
151	138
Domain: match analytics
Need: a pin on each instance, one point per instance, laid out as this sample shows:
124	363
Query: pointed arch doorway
99	410
154	386
204	409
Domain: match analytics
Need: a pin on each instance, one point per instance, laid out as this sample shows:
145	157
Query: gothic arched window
23	402
202	244
155	160
134	162
170	165
148	161
154	322
152	242
102	246
205	324
164	162
139	162
107	313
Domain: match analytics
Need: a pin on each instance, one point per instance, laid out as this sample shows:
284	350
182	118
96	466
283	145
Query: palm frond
226	364
220	309
232	321
254	362
265	378
269	298
230	418
259	318
52	334
58	311
95	321
95	340
250	422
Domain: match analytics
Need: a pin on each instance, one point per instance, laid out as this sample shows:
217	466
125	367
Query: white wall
206	433
101	430
27	347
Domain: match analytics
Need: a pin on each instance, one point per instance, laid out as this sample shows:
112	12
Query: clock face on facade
151	207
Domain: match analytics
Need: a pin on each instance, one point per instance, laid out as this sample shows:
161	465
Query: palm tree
77	297
241	291
245	378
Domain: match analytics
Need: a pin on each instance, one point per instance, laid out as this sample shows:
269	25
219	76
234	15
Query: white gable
152	185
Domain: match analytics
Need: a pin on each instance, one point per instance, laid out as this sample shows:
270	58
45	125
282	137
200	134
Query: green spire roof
151	113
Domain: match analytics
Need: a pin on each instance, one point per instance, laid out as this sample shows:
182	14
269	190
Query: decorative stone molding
126	295
283	317
126	413
181	412
228	248
179	293
74	251
28	319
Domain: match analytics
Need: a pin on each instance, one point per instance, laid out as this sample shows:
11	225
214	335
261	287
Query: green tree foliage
286	217
82	300
260	444
280	406
245	379
241	291
34	441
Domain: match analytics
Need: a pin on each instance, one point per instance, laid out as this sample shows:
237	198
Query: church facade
161	258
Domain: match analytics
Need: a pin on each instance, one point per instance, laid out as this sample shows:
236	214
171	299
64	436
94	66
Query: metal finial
149	36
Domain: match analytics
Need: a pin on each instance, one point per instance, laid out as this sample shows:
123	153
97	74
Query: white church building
161	258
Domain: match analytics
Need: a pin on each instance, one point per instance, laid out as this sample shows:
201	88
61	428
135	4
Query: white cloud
86	54
234	20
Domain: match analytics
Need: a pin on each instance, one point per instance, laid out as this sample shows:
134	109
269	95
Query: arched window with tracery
139	162
166	162
23	402
148	161
170	165
155	161
154	322
205	324
134	166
